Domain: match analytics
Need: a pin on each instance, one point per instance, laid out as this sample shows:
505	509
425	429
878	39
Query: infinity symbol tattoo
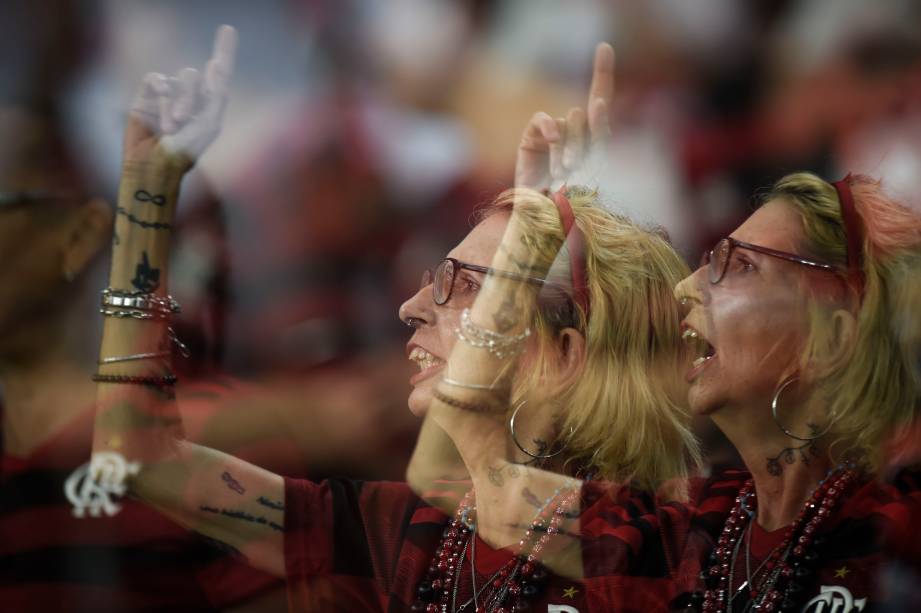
145	196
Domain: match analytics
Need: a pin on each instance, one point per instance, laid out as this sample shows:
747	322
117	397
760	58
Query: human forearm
137	419
478	374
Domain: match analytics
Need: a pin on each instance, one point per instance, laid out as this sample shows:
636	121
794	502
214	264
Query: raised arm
138	428
551	149
474	409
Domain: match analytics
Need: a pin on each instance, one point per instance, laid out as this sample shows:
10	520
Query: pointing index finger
220	66
602	74
601	92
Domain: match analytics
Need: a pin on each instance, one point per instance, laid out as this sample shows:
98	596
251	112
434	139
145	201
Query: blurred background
362	134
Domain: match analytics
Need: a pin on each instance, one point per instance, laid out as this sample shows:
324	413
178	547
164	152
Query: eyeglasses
17	198
717	259
442	279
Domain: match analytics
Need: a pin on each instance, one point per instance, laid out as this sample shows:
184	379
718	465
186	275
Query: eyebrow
476	275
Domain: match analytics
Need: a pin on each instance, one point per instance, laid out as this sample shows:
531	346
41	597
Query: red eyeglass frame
716	274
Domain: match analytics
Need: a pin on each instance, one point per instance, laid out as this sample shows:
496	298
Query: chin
700	402
419	400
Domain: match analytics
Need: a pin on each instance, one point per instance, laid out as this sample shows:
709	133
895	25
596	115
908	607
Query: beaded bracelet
500	345
161	381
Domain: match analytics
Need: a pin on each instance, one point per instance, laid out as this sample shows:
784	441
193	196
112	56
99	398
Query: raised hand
178	117
552	148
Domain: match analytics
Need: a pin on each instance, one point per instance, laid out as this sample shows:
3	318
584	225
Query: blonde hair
871	388
625	414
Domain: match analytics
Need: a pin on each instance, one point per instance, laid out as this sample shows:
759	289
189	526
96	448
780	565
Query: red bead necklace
512	586
779	581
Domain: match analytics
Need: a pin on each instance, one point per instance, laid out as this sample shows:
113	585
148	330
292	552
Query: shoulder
719	489
627	532
882	515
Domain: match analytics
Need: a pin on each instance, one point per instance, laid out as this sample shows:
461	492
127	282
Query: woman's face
433	339
751	325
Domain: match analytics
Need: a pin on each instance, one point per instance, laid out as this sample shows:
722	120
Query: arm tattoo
155	225
506	317
233	514
537	242
146	279
495	477
532	499
521	266
272	505
233	483
145	196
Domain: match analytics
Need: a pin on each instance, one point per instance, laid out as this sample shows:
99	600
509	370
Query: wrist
158	162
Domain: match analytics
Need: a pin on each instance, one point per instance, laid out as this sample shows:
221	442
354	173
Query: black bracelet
162	381
460	404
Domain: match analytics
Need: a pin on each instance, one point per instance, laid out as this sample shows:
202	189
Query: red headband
576	242
853	231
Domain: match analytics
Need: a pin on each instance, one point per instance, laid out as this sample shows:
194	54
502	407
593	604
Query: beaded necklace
511	587
778	582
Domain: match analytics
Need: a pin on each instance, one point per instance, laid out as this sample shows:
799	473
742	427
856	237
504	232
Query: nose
419	309
689	290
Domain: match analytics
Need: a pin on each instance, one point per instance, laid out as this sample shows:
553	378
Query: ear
570	345
844	333
839	341
88	232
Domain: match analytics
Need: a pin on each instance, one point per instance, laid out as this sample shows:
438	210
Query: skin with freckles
434	324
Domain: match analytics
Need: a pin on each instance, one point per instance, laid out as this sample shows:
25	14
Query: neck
764	448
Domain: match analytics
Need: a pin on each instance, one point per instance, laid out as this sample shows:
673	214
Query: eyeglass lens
719	260
444	281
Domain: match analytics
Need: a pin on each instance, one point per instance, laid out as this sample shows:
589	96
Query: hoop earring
807	439
536	456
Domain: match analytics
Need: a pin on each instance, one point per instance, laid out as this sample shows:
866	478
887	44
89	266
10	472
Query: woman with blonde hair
806	361
804	332
597	336
620	318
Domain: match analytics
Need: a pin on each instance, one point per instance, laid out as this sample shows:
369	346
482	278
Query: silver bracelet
500	345
469	386
172	339
135	356
156	315
139	301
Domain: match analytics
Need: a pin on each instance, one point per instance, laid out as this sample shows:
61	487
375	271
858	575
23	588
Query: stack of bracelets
500	345
146	307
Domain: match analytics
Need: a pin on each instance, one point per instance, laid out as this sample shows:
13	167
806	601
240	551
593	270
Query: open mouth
425	361
701	349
